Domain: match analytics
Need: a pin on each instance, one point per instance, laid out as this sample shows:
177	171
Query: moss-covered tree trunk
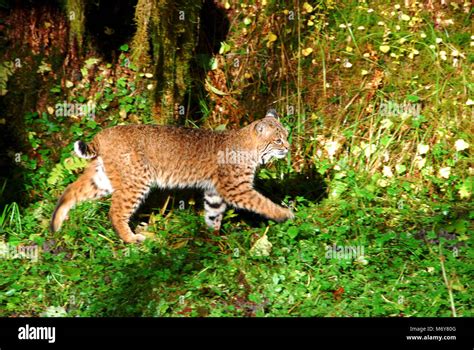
75	14
166	36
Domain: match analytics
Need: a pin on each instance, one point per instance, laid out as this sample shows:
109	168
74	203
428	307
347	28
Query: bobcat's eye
278	142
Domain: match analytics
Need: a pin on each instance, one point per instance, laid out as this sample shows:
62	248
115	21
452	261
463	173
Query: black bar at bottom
452	333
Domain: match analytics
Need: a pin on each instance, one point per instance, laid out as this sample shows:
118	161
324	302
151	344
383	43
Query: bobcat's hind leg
214	207
124	204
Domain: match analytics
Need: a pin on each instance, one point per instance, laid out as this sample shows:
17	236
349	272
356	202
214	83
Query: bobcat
127	160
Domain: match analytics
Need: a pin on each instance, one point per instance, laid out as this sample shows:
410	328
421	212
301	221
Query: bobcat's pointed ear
272	113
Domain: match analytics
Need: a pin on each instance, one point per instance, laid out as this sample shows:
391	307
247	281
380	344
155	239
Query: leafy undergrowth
378	101
395	269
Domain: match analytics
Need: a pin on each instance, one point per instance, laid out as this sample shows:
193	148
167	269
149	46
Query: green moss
141	43
173	38
75	15
166	36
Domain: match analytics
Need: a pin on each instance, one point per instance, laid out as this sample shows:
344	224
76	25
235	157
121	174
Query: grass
397	188
408	268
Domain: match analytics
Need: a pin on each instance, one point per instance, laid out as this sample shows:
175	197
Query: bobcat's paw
138	238
284	214
291	215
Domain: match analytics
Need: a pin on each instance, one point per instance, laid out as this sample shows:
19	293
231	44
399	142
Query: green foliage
395	207
65	169
182	270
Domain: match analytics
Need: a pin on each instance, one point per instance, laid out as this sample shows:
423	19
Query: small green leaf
220	127
91	61
413	98
400	168
56	89
337	188
460	226
91	124
293	232
261	247
213	64
224	48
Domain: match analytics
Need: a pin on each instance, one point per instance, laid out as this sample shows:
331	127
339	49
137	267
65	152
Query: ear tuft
272	113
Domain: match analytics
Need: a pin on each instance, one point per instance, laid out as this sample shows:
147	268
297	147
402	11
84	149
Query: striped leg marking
215	207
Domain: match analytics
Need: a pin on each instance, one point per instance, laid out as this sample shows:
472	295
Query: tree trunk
166	36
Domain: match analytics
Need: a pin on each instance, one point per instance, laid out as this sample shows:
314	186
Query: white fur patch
213	199
77	150
174	183
100	177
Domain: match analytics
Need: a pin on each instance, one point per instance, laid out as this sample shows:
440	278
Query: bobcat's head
271	137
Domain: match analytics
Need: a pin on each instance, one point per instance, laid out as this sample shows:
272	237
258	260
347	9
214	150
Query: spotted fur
128	160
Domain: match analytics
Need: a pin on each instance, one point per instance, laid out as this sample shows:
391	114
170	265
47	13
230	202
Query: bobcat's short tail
83	150
85	187
65	203
90	185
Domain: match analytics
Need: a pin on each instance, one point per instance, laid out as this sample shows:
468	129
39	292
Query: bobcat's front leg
214	207
244	196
